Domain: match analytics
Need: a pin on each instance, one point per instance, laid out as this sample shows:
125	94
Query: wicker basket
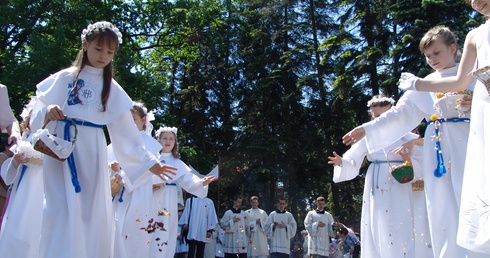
418	185
403	173
42	147
483	75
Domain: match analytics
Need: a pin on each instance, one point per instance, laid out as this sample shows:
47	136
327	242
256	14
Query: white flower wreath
101	25
165	129
380	100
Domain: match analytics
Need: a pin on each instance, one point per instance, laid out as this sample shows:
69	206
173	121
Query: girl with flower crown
77	219
445	141
132	201
386	219
163	220
21	225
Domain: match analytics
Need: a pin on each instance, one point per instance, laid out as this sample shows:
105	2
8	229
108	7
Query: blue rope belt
377	165
22	172
71	159
172	184
441	169
121	195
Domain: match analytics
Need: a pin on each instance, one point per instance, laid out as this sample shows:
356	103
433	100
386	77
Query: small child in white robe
132	202
181	248
21	226
220	238
163	221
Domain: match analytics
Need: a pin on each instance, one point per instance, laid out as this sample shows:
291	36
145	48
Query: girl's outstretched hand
354	136
335	160
407	81
208	180
165	172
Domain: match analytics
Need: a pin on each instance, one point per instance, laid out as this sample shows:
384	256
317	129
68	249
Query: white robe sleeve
351	163
269	225
129	147
310	226
263	221
6	115
329	225
130	185
193	184
227	220
417	159
212	217
184	218
398	121
8	172
291	228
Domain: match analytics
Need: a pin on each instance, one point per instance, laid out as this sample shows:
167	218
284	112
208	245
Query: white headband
101	25
380	100
165	129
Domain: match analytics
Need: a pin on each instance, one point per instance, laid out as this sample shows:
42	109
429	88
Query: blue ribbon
22	172
71	159
376	165
121	195
440	168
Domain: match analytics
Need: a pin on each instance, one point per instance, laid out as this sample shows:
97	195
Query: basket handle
74	139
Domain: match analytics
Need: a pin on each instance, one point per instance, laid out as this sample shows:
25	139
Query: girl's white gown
164	206
80	224
386	219
132	207
21	227
474	219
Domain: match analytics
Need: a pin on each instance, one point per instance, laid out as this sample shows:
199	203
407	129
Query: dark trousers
357	251
180	255
279	255
196	249
227	255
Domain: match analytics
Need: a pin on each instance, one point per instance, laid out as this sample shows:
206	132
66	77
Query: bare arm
463	79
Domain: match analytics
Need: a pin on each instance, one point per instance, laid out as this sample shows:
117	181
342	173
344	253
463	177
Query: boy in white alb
258	236
235	224
200	219
318	223
281	227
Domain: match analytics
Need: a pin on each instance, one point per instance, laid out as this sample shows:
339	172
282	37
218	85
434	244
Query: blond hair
439	32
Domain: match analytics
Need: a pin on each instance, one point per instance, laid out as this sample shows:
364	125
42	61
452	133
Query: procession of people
66	193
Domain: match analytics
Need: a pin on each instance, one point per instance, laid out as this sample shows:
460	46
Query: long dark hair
103	36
